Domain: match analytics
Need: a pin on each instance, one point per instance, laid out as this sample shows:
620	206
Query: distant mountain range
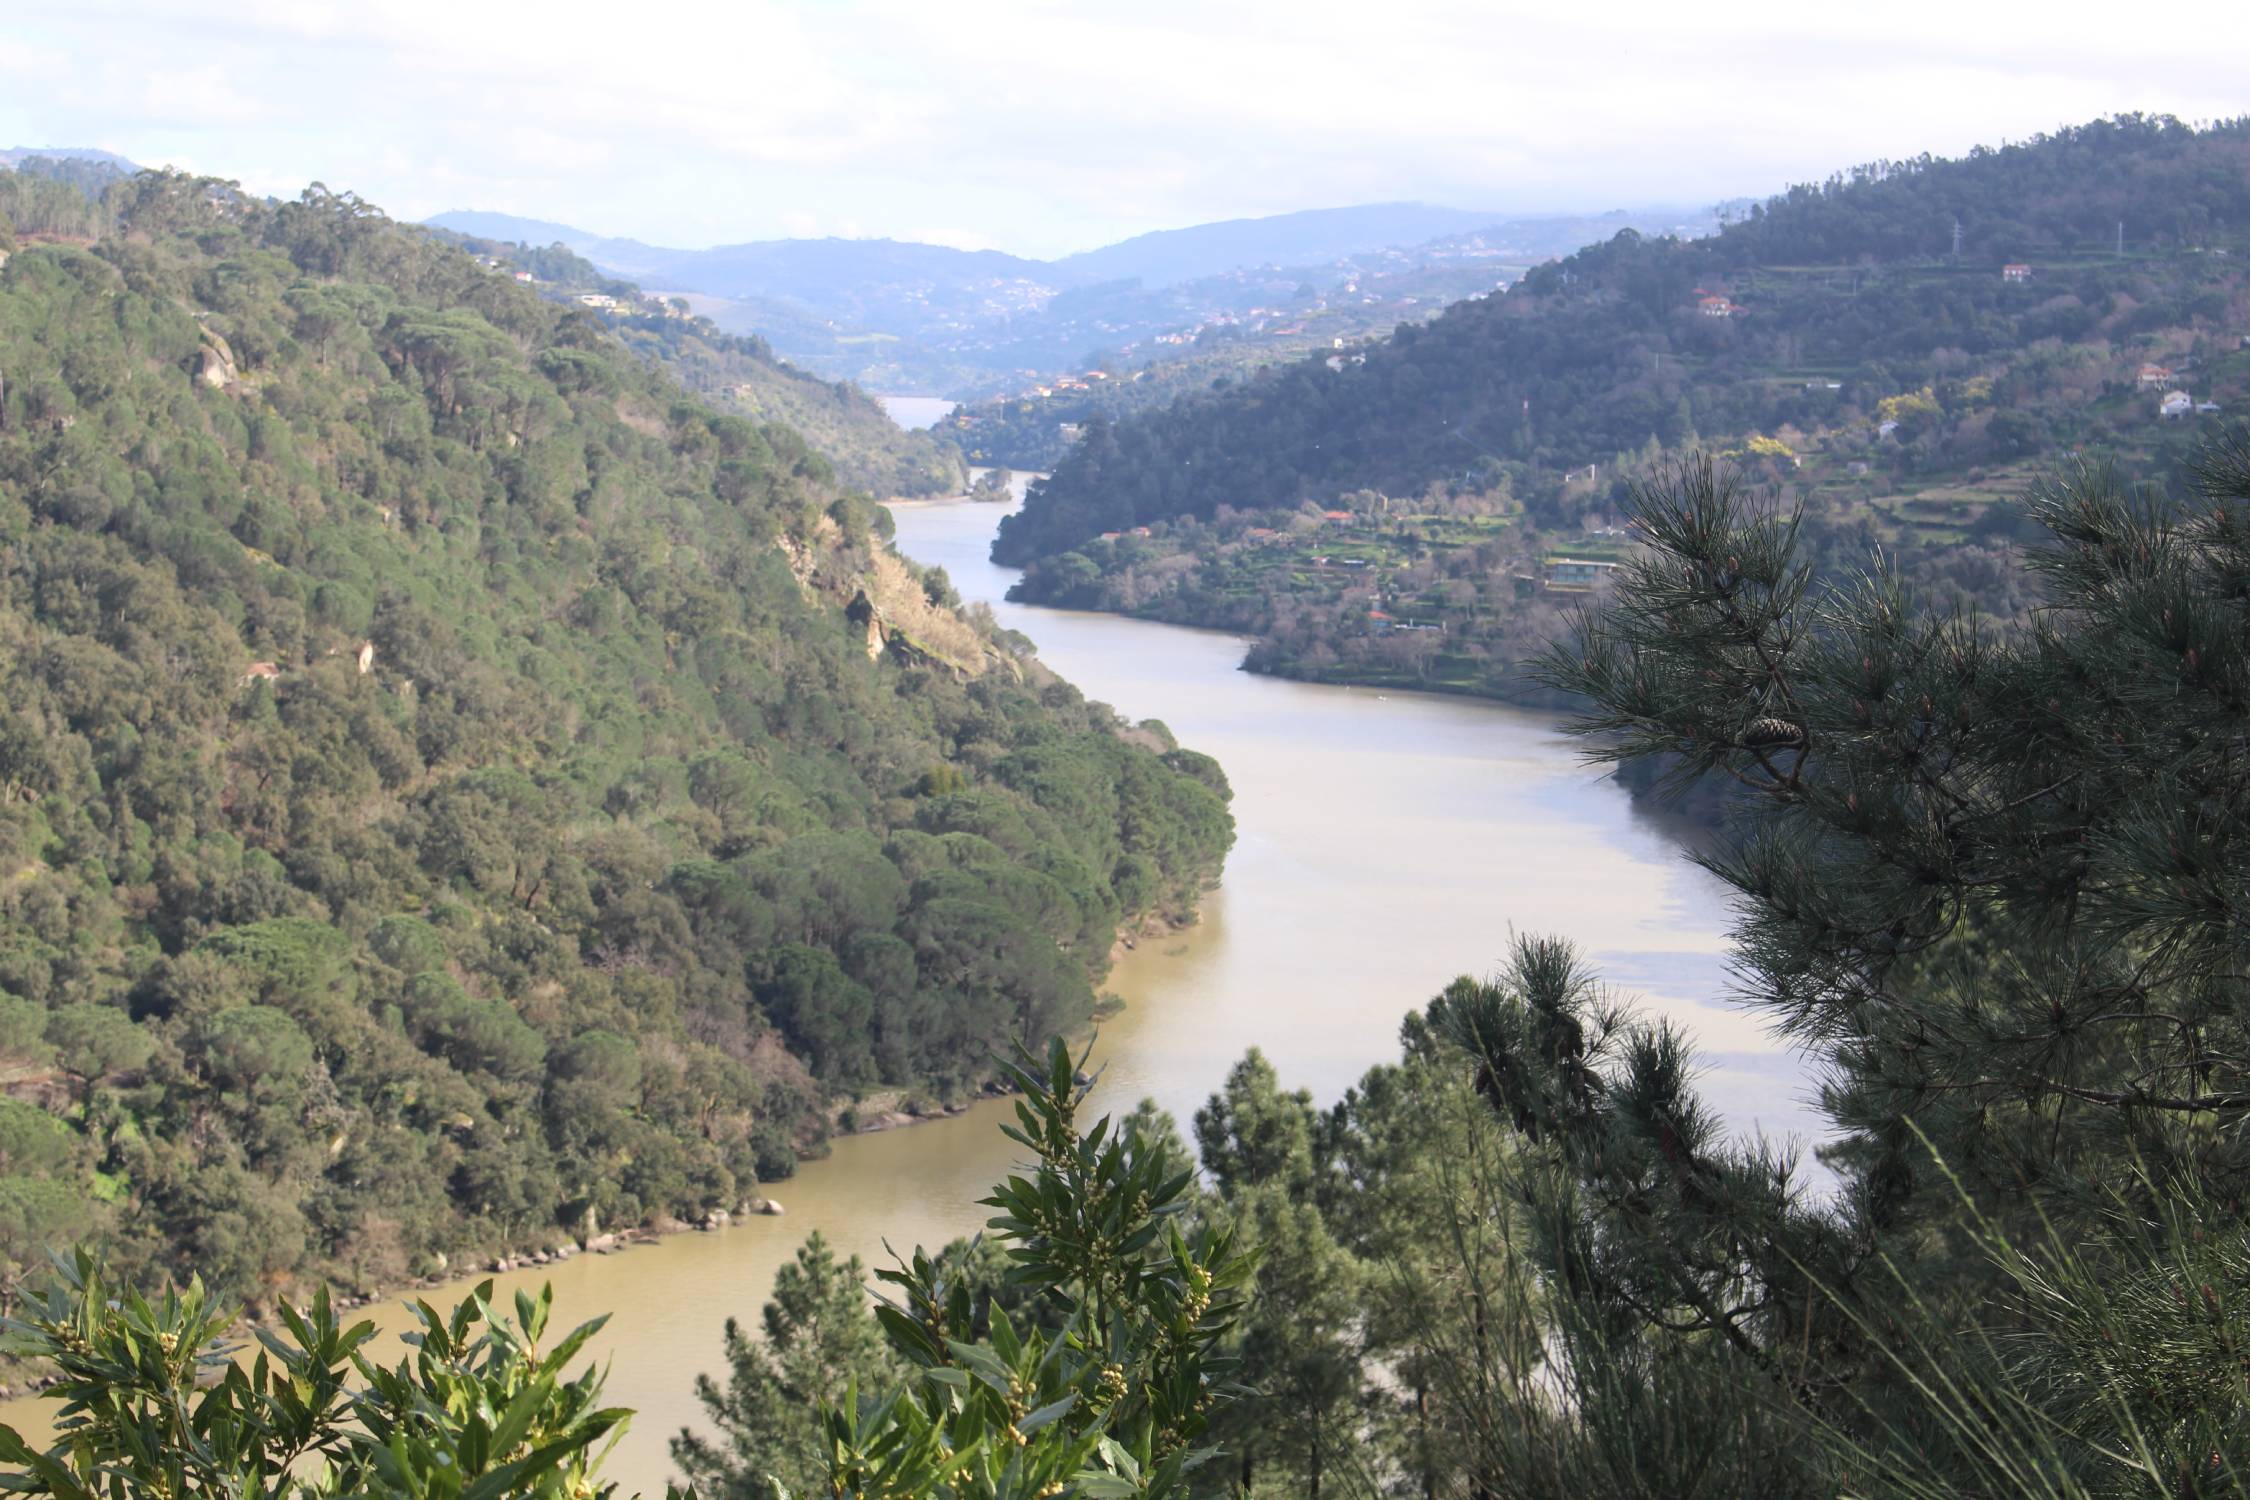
906	316
1164	257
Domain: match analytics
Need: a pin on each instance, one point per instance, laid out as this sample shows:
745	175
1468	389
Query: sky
1047	126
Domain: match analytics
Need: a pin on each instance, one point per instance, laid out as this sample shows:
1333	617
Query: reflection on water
1386	844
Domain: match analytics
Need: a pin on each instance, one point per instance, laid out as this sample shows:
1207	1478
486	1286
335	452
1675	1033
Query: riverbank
1703	807
1512	683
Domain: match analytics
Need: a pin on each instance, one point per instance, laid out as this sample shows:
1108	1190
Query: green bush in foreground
1111	1399
1111	1403
157	1404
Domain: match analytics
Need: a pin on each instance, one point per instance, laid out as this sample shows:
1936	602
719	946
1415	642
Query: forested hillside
1835	342
739	372
456	789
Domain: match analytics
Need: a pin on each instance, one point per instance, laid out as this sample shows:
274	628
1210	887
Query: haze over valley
929	319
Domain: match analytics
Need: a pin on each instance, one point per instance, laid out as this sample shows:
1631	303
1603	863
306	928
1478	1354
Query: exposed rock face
214	362
861	611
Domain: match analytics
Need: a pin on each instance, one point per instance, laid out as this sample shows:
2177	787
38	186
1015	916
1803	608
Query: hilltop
1310	237
1403	511
460	792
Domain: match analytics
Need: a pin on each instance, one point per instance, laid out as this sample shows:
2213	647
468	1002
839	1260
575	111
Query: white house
2176	404
1572	574
2015	271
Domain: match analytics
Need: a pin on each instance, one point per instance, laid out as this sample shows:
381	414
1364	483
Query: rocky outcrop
214	361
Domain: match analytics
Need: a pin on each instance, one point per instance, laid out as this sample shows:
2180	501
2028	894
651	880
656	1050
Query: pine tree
1994	887
1302	1337
1995	882
1427	1197
820	1339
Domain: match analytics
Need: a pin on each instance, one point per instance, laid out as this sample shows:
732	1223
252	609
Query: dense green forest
1394	519
459	791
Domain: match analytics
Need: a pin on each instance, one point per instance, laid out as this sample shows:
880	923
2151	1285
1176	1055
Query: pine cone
1772	734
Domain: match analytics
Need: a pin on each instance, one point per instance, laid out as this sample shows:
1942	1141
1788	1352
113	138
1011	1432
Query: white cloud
1052	125
16	57
958	239
204	94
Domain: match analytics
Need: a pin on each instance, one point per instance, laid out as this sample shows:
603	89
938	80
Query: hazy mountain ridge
898	315
1308	237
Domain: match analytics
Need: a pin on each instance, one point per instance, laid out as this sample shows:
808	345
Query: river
1386	844
916	411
